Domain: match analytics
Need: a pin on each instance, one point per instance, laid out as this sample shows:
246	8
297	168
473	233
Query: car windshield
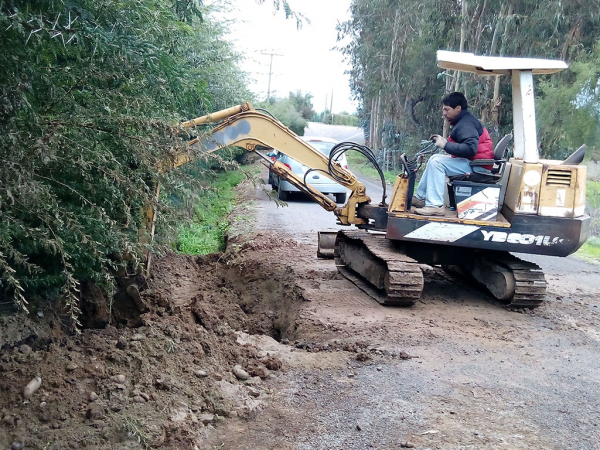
322	146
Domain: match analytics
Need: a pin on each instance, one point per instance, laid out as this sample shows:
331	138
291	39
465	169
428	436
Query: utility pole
270	72
331	107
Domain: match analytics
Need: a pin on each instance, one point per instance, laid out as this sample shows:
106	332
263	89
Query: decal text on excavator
518	238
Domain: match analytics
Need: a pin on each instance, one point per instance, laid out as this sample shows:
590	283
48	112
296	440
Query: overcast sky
307	63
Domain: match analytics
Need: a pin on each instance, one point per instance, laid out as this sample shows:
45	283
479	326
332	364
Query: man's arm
467	141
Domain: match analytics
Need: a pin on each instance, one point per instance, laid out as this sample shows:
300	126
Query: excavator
527	205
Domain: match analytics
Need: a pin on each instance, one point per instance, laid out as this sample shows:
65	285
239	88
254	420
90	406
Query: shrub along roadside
90	95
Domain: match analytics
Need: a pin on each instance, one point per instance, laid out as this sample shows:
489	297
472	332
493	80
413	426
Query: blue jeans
433	182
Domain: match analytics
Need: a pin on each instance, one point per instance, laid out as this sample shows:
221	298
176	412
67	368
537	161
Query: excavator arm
245	127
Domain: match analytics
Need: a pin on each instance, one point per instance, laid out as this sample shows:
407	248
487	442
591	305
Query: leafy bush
91	93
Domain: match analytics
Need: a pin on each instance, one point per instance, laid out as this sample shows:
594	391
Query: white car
316	179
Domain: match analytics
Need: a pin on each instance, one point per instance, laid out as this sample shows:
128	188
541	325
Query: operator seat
498	171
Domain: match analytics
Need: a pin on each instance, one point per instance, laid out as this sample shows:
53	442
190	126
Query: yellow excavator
527	205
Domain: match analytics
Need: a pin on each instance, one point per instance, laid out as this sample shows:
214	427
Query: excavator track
378	268
530	283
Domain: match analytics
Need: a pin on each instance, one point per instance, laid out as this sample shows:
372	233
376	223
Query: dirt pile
159	384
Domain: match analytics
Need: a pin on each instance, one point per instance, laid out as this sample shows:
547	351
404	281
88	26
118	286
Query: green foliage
303	104
569	108
290	111
590	250
206	233
90	96
394	76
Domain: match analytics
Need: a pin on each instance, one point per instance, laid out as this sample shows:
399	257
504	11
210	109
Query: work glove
439	141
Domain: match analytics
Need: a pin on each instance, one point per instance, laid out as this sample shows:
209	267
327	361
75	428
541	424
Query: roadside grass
361	165
590	250
206	233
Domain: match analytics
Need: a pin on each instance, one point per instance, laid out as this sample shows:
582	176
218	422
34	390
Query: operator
468	140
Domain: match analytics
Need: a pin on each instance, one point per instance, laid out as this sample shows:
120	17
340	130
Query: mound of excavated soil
158	384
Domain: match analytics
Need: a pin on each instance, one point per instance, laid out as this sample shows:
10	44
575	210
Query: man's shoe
417	202
431	211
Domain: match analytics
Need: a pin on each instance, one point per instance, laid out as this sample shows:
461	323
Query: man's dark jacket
464	138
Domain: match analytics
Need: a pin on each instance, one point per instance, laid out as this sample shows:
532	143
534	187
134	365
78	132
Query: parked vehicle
323	184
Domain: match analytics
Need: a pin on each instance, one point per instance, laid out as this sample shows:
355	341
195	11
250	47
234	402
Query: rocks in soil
122	343
259	371
93	396
119	379
139	399
201	374
33	386
95	411
253	391
206	418
25	349
272	363
362	356
240	373
407	445
16	446
71	366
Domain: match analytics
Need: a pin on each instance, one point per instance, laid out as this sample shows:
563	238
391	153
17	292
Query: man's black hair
455	99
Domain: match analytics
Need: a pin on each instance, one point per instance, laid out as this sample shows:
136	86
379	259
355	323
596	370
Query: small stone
138	337
139	399
350	375
272	363
285	341
206	418
43	405
92	397
358	427
253	392
120	379
95	412
145	396
98	424
121	387
71	366
379	368
259	371
240	373
362	356
25	349
122	343
253	381
407	445
201	374
217	376
40	314
404	355
16	446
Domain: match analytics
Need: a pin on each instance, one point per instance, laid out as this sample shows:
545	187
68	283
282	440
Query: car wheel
340	198
281	194
270	178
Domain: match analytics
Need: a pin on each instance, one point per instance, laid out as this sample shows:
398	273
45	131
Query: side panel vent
558	177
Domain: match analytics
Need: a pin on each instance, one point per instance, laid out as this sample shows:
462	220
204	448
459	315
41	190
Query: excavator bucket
326	244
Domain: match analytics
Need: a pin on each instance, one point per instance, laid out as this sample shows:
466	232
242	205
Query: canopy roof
496	65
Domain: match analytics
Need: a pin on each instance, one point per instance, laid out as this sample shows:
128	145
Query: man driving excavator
468	140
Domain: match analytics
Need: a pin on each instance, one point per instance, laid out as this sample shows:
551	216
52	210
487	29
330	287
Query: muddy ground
328	367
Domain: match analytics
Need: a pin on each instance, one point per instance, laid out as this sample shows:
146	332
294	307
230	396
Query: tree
91	95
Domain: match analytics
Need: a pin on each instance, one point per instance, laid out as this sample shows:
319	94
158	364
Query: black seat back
501	150
576	157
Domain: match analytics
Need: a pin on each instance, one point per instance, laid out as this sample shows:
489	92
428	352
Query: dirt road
456	371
